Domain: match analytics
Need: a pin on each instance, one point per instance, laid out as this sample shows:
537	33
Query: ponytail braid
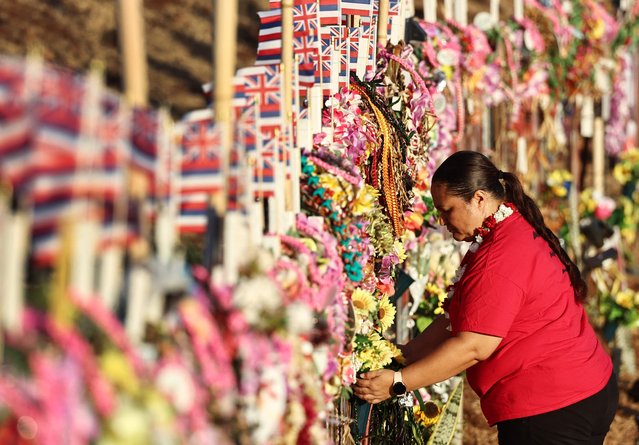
529	210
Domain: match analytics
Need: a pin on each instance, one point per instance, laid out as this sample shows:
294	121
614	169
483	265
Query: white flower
257	296
366	327
502	213
299	318
174	381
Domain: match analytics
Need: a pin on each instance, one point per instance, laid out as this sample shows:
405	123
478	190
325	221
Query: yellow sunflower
429	416
365	200
385	313
363	301
340	188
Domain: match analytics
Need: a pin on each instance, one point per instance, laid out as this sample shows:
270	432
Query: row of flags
67	142
329	36
68	146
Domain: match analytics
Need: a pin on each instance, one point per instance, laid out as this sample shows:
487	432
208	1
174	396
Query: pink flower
605	207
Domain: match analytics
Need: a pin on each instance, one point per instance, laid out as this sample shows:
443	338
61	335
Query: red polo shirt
514	287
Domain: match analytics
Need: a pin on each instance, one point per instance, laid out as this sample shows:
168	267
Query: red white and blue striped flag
369	37
357	7
305	17
266	88
353	47
200	146
16	126
330	12
338	35
268	153
144	143
56	162
269	47
200	169
325	64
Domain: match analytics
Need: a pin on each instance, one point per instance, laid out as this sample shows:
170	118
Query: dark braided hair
465	172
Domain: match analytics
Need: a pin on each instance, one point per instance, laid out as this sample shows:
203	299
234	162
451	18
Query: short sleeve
488	304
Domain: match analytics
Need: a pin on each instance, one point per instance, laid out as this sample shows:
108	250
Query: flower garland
503	212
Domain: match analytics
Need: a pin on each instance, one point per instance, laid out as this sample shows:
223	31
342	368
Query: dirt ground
624	429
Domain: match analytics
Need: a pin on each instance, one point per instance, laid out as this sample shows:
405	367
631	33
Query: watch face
399	389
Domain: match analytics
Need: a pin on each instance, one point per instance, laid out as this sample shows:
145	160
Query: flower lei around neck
503	211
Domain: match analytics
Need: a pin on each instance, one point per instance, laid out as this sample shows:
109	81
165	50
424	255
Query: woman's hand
375	386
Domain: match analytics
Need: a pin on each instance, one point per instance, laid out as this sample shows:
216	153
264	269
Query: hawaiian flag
357	7
330	12
369	39
353	47
113	134
394	21
393	17
16	125
266	88
305	17
193	213
245	132
270	25
323	74
306	75
200	147
57	140
240	99
200	169
268	154
145	127
113	129
339	37
269	47
306	48
56	162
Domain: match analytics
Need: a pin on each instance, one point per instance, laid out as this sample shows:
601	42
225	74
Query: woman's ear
480	197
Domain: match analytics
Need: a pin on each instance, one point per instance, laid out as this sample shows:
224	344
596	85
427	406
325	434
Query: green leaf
423	322
420	400
444	430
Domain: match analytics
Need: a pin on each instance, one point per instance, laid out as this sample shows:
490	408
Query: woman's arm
454	355
427	341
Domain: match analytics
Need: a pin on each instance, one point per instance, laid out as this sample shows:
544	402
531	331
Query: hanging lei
504	211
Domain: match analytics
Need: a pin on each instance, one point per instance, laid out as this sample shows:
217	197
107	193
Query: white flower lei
503	212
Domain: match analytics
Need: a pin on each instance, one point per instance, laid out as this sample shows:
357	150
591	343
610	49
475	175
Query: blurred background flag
357	7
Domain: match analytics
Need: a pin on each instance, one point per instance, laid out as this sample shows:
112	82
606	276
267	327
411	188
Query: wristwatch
399	389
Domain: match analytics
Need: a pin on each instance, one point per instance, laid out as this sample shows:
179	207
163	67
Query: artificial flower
429	416
363	301
337	186
299	318
559	182
119	371
258	298
385	313
365	200
604	208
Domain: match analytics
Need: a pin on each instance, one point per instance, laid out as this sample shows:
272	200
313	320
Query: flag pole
382	23
287	68
224	57
132	45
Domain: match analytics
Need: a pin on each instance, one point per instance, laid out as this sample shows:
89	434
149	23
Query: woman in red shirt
514	318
